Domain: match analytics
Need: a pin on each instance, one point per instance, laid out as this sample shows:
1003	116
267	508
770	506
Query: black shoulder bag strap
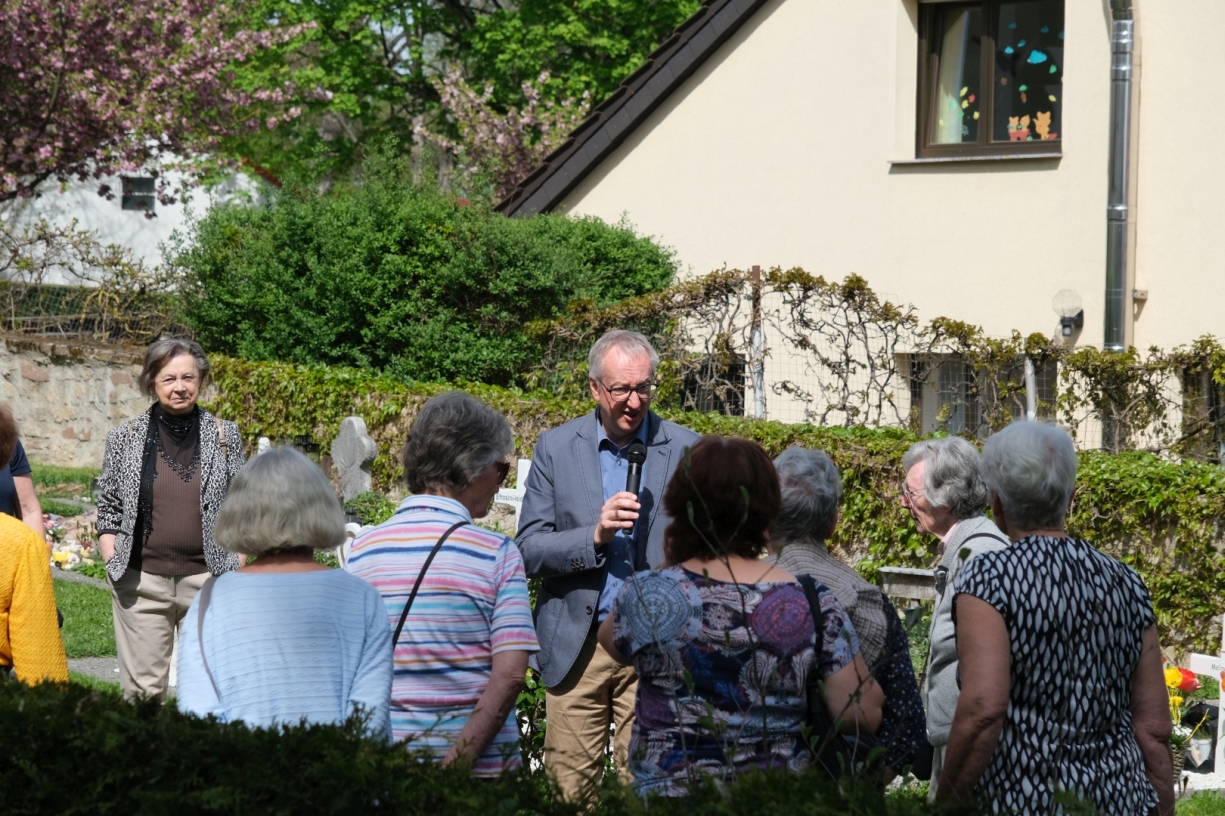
412	596
830	750
206	594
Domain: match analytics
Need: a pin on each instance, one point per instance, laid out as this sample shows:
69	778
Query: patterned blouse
1075	619
722	672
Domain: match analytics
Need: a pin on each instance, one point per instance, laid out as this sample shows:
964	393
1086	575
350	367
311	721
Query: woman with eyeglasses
165	474
456	594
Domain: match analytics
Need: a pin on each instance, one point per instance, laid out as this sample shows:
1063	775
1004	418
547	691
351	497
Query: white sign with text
1214	667
513	496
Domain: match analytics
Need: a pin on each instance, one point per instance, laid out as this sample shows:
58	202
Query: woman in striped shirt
463	645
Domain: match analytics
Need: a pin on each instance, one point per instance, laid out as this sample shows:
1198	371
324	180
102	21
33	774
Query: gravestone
263	445
353	453
513	496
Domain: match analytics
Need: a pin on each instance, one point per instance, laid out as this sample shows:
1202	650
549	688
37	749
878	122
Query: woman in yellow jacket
30	644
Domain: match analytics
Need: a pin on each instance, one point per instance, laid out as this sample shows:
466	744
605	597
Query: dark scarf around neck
177	440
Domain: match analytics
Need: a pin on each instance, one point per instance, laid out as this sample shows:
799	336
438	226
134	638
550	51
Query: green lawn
53	476
52	482
59	508
1204	803
94	683
88	630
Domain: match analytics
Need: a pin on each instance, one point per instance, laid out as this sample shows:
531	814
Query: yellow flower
1173	677
1176	709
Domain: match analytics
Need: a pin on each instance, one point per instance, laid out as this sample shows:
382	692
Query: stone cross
353	453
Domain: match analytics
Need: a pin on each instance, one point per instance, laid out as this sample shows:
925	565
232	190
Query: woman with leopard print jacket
165	474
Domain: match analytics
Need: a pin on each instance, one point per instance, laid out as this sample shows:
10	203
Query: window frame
978	393
133	195
929	72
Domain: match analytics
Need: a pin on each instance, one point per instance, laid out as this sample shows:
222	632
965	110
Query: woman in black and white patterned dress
1061	683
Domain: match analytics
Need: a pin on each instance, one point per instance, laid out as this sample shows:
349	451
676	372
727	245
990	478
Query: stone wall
66	396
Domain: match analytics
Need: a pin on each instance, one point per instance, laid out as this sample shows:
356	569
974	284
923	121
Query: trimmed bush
1163	518
399	278
71	750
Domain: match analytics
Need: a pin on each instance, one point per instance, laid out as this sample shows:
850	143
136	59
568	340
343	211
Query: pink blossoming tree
92	88
505	145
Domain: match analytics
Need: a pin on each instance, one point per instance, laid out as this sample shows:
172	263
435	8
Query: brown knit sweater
175	545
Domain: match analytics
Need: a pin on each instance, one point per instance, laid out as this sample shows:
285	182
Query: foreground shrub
70	750
399	277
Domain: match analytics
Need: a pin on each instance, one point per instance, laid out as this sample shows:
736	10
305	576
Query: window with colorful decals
991	78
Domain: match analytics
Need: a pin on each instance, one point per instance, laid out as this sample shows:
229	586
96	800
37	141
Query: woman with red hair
724	643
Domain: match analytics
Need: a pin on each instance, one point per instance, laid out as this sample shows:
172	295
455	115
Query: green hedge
398	277
68	749
1163	518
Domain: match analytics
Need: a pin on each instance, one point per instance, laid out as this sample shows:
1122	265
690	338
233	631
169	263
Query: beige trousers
597	693
148	609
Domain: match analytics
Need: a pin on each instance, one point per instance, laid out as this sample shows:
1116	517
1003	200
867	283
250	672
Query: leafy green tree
370	55
399	278
585	45
377	59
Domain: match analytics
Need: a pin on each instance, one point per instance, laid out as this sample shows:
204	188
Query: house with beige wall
957	155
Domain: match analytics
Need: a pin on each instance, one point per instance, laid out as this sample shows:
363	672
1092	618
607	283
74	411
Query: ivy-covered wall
1161	517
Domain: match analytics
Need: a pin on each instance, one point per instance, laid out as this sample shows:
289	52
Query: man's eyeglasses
503	470
621	393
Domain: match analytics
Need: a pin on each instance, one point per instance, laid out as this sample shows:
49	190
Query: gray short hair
952	478
1031	467
454	438
163	351
280	500
629	342
811	493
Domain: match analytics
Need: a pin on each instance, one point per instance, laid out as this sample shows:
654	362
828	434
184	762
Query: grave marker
1214	667
353	453
513	496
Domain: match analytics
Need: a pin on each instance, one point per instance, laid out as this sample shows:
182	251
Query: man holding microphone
591	517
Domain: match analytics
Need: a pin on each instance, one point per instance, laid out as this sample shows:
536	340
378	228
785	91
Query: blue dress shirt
618	553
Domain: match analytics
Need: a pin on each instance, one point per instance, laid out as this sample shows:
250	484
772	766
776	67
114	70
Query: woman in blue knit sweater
285	639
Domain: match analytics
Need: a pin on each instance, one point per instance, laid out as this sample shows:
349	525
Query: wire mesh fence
110	297
790	346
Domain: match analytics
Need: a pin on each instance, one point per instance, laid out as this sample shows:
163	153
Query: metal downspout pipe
1118	216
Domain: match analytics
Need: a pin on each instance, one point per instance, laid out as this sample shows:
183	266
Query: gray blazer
941	689
561	505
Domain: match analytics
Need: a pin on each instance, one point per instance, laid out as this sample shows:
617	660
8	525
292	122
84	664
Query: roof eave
664	71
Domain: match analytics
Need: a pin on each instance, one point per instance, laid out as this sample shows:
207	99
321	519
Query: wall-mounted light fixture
1071	316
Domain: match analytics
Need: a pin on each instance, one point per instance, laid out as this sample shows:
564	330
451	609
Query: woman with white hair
811	498
284	638
455	594
1061	683
946	497
165	473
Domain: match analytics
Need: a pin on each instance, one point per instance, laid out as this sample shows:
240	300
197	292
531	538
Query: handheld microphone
636	456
